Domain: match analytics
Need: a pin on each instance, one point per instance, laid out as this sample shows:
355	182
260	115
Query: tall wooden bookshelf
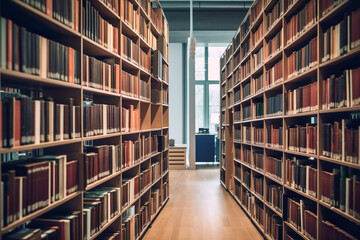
245	89
149	34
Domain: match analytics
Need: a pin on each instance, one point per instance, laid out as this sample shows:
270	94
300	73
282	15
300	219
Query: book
274	136
274	75
130	119
129	84
273	15
302	138
274	105
302	99
274	167
274	45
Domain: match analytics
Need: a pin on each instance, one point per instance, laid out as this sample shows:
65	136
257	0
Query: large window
207	92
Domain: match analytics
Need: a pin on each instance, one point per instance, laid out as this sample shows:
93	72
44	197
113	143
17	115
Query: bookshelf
98	72
289	141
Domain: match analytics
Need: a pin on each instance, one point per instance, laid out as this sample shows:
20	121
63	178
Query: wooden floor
200	208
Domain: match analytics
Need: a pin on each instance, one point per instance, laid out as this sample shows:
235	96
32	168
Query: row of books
130	120
100	206
238	171
31	53
274	45
333	232
130	189
33	120
237	95
237	115
129	84
101	74
238	152
341	140
101	161
155	19
246	90
129	49
274	167
246	69
247	112
155	201
274	136
246	156
144	90
301	174
258	83
302	138
327	5
274	14
156	95
273	225
300	214
258	110
247	178
258	34
245	26
145	179
274	75
259	135
258	58
50	226
66	12
258	214
145	60
132	151
155	171
259	186
274	105
165	96
301	21
341	90
339	39
130	15
256	10
340	188
237	134
302	99
302	59
32	184
236	76
246	134
245	49
100	119
258	160
96	28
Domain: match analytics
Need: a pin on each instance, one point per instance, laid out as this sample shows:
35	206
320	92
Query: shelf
275	86
100	92
129	64
340	162
102	136
279	116
273	179
307	73
128	30
258	20
257	171
274	57
41	145
300	193
274	28
274	148
353	53
302	114
39	212
34	79
105	11
257	70
237	179
342	109
294	8
298	41
296	230
101	230
101	181
335	11
258	145
338	211
246	78
95	49
301	153
257	46
273	209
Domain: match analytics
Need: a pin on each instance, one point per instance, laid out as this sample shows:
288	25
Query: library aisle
199	208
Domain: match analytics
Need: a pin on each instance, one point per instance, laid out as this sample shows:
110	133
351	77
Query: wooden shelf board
339	162
100	92
296	230
258	20
105	11
300	193
273	209
302	114
258	70
102	136
273	179
244	59
300	153
338	211
335	11
339	110
34	79
41	145
95	235
95	49
353	53
101	181
237	179
257	45
274	57
257	171
297	42
274	87
294	8
39	212
274	28
129	64
128	31
307	73
274	148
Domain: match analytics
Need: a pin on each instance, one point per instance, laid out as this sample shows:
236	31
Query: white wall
176	116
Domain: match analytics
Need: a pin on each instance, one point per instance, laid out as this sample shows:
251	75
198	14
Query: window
207	92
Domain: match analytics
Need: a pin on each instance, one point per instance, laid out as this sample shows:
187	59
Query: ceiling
214	21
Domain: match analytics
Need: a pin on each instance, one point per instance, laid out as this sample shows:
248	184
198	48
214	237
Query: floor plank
200	208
